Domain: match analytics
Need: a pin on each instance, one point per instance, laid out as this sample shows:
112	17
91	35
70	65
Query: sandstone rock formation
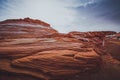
113	47
25	28
33	50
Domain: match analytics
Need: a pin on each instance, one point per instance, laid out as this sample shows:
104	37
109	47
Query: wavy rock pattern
32	50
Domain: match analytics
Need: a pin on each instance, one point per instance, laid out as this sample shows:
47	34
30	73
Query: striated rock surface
91	34
113	47
94	38
25	28
33	50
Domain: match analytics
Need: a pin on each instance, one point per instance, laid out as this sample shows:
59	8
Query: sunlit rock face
33	50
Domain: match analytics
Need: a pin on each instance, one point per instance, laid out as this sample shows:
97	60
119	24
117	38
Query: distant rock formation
33	50
92	34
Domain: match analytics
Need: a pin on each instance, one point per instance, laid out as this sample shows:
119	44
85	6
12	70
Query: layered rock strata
33	50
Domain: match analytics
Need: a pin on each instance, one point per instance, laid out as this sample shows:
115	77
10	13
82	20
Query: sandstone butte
33	50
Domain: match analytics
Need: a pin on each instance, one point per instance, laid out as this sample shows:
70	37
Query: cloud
63	15
105	9
53	12
99	15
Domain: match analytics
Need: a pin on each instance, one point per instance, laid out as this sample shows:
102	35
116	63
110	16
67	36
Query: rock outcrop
25	28
33	50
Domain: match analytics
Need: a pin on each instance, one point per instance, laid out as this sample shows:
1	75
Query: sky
66	15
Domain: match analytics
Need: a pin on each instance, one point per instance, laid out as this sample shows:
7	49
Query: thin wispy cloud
63	15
